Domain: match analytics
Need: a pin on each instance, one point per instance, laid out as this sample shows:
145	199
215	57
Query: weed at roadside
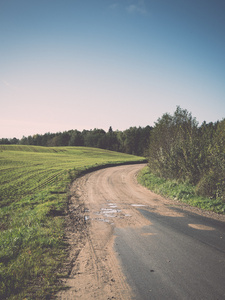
179	191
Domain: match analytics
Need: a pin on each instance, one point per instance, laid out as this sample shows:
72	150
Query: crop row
33	182
33	168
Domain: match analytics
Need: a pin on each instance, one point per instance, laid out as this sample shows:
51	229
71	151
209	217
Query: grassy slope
33	195
179	191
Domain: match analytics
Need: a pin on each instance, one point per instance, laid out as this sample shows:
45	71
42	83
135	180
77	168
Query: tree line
176	148
134	140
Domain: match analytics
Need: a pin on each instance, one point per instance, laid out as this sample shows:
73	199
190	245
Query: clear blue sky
85	64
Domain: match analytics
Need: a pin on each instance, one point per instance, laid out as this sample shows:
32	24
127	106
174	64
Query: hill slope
33	199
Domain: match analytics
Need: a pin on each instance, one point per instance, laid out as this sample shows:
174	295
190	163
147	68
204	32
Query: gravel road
129	243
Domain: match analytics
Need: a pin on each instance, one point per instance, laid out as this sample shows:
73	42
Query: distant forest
176	147
131	141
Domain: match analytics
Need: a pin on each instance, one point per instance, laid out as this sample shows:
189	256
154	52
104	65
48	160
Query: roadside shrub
207	185
212	181
174	148
180	150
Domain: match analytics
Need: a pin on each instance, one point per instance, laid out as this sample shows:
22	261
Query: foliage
181	150
132	141
173	148
178	191
212	182
33	187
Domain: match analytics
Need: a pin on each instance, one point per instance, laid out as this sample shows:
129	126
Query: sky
85	64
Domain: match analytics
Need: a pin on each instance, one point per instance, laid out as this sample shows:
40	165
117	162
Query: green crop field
34	185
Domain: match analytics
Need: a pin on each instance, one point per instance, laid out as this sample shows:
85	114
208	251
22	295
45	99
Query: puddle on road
138	205
86	218
112	205
104	220
110	212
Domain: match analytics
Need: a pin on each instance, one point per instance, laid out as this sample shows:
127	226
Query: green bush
180	150
207	185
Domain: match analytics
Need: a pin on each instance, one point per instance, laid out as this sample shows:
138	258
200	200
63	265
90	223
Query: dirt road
102	203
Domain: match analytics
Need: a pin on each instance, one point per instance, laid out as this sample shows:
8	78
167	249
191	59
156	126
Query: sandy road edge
93	273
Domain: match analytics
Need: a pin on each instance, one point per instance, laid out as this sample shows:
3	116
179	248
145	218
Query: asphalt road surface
139	245
174	258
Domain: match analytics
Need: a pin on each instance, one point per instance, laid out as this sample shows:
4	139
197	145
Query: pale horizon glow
88	64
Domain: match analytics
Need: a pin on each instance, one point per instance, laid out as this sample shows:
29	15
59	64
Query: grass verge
178	191
34	185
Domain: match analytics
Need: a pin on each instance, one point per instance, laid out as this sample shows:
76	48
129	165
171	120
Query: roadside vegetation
187	161
34	185
134	140
177	190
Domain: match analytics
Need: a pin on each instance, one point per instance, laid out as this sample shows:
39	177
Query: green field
34	185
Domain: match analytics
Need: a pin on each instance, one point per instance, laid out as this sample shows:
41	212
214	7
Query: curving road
138	245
